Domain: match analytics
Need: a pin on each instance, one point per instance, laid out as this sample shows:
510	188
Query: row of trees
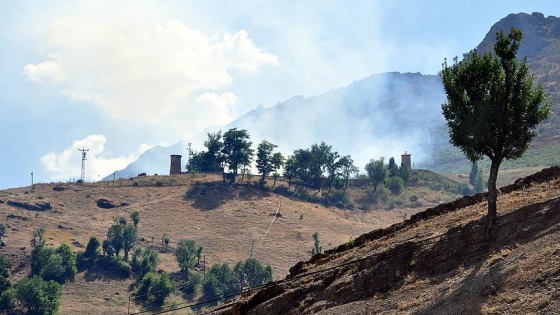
393	176
232	150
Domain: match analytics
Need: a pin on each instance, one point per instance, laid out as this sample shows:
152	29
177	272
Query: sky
120	77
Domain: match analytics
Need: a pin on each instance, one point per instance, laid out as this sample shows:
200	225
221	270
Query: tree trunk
493	191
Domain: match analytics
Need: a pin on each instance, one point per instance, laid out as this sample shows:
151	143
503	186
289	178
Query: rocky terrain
440	261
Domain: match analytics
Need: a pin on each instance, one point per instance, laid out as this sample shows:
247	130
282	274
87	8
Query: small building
405	158
175	167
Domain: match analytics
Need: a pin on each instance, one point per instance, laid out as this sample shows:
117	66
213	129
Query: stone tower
405	158
175	167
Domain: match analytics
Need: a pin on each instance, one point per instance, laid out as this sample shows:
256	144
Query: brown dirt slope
227	220
440	261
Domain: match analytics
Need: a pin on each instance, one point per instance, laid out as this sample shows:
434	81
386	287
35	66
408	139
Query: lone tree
376	171
236	151
492	108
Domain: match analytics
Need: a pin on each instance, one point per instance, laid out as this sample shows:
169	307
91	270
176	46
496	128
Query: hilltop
228	220
440	261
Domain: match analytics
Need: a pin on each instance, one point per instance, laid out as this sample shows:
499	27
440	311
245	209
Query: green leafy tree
492	108
316	244
220	281
130	237
5	265
186	254
347	169
53	264
39	297
115	237
251	273
165	241
395	184
211	159
161	289
392	167
148	262
236	151
376	171
135	217
403	172
267	161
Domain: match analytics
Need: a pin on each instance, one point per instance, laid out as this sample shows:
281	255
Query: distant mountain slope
387	114
541	45
381	115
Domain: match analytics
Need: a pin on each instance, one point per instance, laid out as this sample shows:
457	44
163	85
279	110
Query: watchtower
405	158
175	167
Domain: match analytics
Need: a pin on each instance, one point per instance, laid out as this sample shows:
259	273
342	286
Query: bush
192	285
53	264
7	299
116	264
395	184
39	296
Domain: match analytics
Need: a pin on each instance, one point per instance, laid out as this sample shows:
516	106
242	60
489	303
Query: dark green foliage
5	265
115	264
376	171
130	238
492	108
210	160
2	230
236	151
316	244
165	241
161	289
53	264
186	254
392	167
404	172
89	257
115	238
135	217
7	299
39	297
148	262
267	161
395	184
155	290
251	273
220	282
192	284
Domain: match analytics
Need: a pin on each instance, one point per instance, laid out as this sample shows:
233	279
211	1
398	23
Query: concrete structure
405	158
175	167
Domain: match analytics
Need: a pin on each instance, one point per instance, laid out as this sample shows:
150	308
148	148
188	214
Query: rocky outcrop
38	206
108	204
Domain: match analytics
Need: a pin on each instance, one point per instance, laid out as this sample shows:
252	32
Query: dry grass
228	221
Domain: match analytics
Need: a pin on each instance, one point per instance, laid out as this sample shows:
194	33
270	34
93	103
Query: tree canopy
492	106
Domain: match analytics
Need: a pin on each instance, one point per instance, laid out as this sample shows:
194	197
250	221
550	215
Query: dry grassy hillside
440	261
227	220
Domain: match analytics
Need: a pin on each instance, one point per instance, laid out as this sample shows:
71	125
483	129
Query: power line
399	248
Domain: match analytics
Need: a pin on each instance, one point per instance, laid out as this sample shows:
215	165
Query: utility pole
83	163
31	179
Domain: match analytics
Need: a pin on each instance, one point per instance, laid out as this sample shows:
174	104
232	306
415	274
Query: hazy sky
118	77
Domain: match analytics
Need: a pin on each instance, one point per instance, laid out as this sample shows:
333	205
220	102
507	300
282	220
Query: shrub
395	184
39	296
7	299
192	285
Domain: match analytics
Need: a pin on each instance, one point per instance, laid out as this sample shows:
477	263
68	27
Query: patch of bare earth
445	262
229	221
